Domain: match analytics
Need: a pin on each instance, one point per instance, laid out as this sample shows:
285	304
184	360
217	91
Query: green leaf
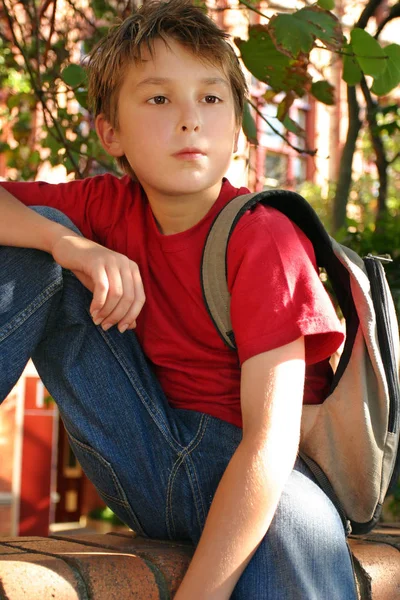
53	144
389	128
34	159
352	73
292	126
326	4
267	64
291	34
324	92
391	77
369	54
284	106
390	109
101	8
20	100
323	25
67	162
73	75
82	97
249	125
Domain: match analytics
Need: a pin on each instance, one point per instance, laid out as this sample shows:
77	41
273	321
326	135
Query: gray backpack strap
214	265
214	262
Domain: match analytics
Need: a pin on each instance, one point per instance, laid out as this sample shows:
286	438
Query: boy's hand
118	294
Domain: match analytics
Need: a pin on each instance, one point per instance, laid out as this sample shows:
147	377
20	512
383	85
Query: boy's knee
304	504
57	216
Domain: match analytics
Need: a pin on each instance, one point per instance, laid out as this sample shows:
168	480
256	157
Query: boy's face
177	124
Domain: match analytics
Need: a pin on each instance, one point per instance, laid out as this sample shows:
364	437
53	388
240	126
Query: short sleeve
276	293
92	204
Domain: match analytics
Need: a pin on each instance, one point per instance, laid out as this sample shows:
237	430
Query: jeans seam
29	310
165	430
169	516
206	420
122	502
185	454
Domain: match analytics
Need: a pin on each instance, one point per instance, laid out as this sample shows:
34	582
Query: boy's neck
175	214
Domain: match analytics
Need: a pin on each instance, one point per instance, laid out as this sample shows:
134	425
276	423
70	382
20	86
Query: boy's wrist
53	234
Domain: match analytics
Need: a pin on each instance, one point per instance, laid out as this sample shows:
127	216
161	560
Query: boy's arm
249	491
22	227
115	281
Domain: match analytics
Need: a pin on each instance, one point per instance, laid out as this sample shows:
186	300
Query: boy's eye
210	99
158	100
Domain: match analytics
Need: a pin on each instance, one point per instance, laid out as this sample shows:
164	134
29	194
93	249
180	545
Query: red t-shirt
276	294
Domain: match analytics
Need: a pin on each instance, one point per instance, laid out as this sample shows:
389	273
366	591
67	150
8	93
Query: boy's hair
176	19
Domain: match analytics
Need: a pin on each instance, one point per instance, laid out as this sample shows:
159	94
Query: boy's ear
108	136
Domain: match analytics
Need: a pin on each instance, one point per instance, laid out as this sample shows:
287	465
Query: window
268	137
275	170
279	164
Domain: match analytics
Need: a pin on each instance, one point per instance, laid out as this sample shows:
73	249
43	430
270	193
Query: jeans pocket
104	478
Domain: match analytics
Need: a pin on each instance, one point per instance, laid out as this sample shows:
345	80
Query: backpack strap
214	261
214	265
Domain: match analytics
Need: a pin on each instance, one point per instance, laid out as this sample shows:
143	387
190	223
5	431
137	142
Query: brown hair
177	19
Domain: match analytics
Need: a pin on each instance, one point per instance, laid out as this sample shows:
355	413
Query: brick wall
122	567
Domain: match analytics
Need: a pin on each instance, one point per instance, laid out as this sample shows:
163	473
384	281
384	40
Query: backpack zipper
380	300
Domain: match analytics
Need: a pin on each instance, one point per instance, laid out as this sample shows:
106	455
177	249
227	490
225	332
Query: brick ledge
121	566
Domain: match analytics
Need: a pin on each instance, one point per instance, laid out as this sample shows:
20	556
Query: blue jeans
156	467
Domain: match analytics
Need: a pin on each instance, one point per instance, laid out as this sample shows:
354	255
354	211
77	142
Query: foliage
394	502
321	203
44	87
280	55
46	96
105	514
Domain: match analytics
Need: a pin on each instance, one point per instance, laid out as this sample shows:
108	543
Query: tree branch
395	157
367	13
379	148
82	14
346	160
254	9
394	13
284	138
52	27
37	91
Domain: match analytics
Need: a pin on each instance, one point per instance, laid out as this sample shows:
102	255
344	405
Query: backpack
350	441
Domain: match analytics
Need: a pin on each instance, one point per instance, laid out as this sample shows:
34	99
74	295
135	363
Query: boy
182	437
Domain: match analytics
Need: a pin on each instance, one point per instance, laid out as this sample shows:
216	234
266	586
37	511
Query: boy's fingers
100	291
114	294
129	319
118	295
125	301
140	297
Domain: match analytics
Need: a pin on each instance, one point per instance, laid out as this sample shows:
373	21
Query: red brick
108	574
171	558
122	566
118	577
5	550
36	577
28	538
377	567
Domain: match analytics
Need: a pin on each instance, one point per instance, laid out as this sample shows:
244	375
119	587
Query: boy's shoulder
265	234
108	181
263	222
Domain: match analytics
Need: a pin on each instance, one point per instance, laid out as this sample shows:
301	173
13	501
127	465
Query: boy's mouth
189	153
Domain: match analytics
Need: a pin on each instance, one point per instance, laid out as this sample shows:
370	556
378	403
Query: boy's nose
189	119
190	127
